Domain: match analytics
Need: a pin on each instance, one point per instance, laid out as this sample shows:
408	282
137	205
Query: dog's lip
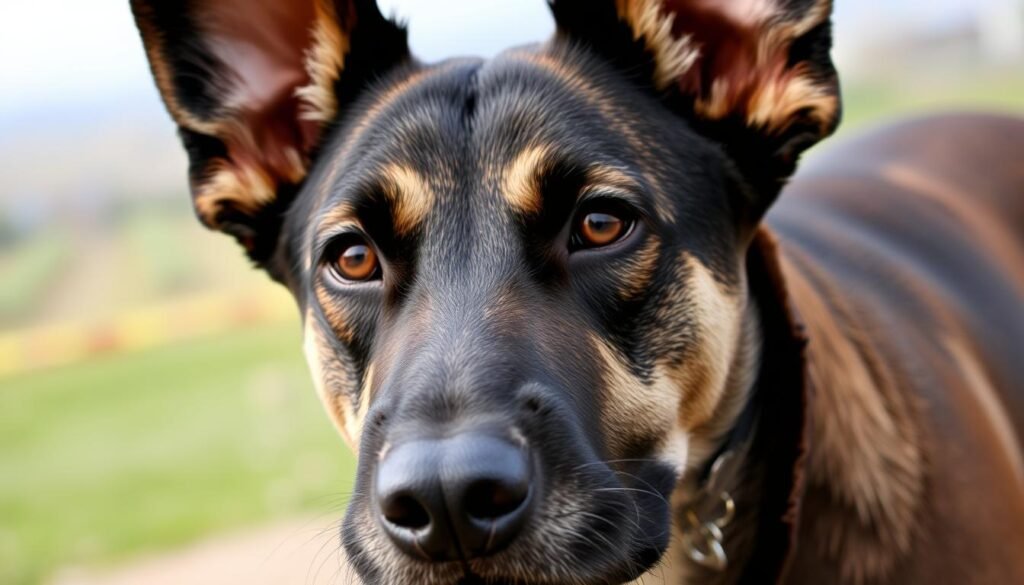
473	579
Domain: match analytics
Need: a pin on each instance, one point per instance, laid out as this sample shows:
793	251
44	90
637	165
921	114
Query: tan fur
335	387
639	271
619	119
631	409
601	177
245	187
324	61
704	439
410	193
520	182
673	56
381	103
768	93
703	395
335	314
772	105
588	88
702	377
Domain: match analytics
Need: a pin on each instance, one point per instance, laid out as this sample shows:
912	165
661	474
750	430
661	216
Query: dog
544	300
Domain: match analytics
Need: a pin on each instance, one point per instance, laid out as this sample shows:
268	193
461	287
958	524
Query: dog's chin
615	568
600	552
626	569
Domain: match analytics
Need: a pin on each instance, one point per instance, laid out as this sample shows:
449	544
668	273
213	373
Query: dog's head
522	279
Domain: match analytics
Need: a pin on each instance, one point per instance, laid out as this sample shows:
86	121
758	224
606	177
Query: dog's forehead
463	135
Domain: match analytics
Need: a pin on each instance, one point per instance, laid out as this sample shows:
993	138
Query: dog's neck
815	387
718	461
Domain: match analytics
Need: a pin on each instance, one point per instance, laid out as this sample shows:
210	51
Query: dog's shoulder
904	254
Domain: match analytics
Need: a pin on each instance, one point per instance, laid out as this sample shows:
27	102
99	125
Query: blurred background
156	418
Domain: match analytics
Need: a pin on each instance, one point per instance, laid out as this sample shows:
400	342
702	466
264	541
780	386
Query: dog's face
522	280
499	254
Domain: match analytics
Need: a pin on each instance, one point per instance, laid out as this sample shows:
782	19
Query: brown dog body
903	257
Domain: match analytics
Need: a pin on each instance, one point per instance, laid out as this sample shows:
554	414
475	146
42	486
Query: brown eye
601	229
356	262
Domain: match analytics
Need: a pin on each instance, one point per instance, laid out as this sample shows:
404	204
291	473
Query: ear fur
253	85
754	74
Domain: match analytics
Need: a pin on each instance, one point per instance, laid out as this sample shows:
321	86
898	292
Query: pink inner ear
263	43
734	59
727	40
744	13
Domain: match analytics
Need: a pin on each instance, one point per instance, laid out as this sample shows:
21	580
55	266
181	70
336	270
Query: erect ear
253	85
754	74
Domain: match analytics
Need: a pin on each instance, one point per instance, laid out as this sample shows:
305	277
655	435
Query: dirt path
295	553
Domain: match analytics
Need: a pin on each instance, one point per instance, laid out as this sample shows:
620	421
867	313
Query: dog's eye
356	262
599	228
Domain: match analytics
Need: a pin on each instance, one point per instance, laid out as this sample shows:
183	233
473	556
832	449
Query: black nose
460	497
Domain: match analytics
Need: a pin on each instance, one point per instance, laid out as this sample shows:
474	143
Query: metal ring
713	557
730	510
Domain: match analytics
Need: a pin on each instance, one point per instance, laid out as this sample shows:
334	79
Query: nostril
490	500
533	404
403	510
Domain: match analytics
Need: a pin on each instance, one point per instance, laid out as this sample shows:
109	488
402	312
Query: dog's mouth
474	579
604	527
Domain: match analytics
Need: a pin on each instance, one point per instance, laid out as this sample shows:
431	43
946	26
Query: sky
67	53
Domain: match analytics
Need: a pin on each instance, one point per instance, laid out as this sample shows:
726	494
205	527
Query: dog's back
904	253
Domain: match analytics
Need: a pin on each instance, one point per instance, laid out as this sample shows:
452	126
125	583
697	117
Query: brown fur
868	450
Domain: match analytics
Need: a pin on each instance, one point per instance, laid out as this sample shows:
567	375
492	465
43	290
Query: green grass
26	271
149	450
158	250
873	103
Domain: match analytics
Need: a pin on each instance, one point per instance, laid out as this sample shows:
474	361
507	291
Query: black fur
484	312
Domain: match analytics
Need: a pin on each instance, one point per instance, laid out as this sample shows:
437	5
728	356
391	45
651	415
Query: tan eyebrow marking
410	194
408	191
608	176
383	102
520	184
613	116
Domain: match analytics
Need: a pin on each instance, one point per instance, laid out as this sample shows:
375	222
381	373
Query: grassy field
148	450
876	102
27	270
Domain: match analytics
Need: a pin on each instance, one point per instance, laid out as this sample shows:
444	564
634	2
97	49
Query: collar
772	431
713	508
